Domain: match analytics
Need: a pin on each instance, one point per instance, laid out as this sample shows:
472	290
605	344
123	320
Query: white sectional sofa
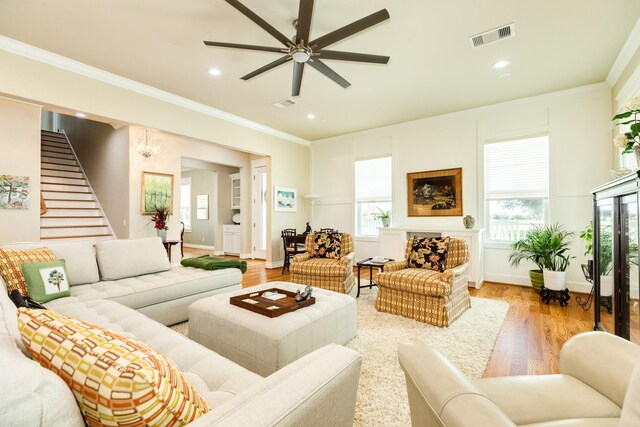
318	389
137	274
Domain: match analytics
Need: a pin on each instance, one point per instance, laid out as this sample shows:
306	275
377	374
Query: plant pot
555	280
636	151
606	286
537	279
386	222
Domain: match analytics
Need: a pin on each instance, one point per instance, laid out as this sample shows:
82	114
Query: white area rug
382	394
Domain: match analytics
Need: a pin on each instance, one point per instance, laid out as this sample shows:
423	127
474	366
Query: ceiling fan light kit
302	51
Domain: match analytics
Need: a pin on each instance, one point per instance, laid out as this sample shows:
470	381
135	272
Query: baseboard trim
274	264
246	255
524	281
218	253
191	245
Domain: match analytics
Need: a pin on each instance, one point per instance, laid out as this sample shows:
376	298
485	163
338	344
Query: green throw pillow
46	281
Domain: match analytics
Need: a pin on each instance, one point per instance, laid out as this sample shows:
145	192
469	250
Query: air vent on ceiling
285	103
494	35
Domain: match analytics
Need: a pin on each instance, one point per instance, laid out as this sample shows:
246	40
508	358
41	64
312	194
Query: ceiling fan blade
261	22
351	56
298	68
246	46
304	21
324	69
267	67
349	30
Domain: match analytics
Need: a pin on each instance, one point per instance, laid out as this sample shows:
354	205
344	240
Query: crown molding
59	61
629	48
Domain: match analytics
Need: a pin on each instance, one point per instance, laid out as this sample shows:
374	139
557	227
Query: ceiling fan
302	51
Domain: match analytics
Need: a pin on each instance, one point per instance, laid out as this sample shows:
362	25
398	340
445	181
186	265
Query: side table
167	245
368	262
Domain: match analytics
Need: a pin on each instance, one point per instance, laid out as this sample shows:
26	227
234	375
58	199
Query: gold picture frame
435	193
157	190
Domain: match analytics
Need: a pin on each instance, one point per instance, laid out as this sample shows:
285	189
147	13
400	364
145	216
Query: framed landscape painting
14	192
435	193
285	199
157	191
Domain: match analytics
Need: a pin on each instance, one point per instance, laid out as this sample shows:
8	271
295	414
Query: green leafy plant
631	138
382	214
606	250
547	246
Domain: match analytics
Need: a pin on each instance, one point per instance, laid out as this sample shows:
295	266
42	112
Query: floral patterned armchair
418	290
320	266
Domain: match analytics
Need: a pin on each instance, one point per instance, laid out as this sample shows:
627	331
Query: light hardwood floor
531	336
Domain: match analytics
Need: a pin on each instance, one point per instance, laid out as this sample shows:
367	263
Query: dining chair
328	230
291	248
182	239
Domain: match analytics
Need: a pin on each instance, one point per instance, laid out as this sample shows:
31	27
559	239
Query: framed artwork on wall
435	193
157	191
285	199
14	192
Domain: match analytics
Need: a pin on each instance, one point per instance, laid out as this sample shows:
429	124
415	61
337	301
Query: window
185	203
373	193
516	187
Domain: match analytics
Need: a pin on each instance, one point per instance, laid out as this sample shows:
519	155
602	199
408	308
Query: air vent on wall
494	35
285	103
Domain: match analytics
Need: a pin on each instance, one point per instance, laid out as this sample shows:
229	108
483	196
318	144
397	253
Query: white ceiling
433	69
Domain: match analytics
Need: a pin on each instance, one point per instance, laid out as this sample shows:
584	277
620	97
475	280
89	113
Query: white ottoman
262	344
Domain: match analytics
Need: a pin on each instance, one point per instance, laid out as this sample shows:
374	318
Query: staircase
71	210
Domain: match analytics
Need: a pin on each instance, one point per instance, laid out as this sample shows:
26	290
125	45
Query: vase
163	235
636	151
469	221
386	222
555	280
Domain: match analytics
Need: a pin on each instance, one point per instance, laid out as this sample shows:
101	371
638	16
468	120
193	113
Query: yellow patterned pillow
11	266
115	380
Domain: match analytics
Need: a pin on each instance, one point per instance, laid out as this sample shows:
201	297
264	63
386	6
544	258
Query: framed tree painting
14	192
285	199
157	191
435	193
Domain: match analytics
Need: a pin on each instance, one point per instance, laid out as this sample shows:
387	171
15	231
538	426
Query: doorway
259	201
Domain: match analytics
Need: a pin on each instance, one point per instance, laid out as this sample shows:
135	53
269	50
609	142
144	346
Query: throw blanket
208	262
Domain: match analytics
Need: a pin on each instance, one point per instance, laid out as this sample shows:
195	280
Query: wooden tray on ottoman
285	305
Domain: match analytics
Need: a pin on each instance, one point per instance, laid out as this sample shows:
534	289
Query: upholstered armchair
334	274
598	385
423	294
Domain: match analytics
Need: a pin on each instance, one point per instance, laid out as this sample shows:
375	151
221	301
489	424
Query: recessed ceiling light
311	116
501	64
82	115
214	72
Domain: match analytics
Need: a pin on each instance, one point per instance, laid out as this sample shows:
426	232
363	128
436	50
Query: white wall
579	128
20	156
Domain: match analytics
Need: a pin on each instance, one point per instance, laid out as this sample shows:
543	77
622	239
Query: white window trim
183	181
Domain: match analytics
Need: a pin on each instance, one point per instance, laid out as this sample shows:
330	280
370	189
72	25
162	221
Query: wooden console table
393	240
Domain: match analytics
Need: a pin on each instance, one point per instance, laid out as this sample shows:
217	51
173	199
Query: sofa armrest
601	360
347	260
301	257
394	266
319	388
439	394
452	274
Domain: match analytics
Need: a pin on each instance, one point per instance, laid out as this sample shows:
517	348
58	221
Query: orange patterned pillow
115	380
11	266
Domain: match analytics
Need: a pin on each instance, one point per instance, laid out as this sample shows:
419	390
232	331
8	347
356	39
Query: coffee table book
261	305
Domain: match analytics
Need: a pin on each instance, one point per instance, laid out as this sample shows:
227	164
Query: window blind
517	169
373	180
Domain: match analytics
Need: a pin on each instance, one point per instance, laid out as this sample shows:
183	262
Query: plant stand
587	270
561	296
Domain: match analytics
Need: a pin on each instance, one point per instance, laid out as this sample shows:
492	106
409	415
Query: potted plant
557	258
159	219
384	216
532	247
629	141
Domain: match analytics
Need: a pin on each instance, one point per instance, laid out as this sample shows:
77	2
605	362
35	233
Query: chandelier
146	147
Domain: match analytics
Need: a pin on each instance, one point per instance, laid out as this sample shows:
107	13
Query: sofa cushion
429	253
415	280
327	245
320	267
544	398
11	261
46	281
118	259
80	259
150	289
115	380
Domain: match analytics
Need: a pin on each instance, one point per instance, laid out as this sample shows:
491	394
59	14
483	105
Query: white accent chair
598	386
